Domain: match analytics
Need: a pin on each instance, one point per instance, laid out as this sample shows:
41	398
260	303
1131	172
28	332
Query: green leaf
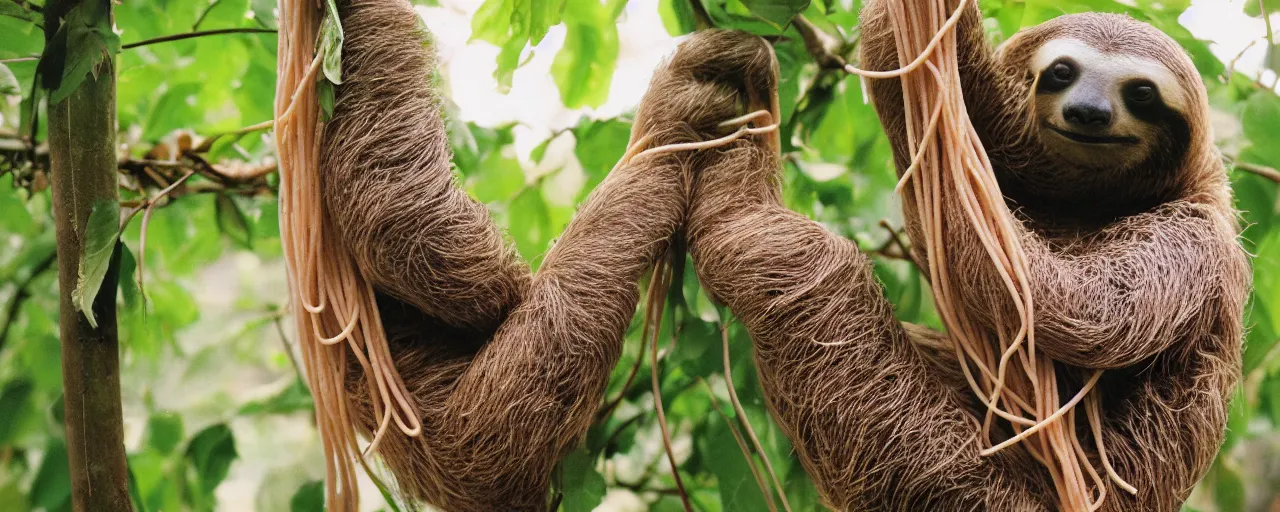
292	399
177	108
129	290
1228	489
325	95
599	146
498	178
14	400
1259	119
738	488
99	242
530	224
13	498
543	15
492	21
164	432
677	17
776	12
232	221
135	493
51	489
510	24
8	83
331	38
308	498
13	10
262	12
1253	8
211	453
583	486
583	68
91	45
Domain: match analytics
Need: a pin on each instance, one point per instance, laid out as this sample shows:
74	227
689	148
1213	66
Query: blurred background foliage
216	415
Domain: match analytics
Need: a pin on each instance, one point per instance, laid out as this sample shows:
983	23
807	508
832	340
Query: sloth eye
1142	93
1058	76
1063	72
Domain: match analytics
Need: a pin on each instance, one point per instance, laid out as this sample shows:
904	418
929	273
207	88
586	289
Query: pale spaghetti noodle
333	305
1014	382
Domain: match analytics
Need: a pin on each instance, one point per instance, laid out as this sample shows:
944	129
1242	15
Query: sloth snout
1091	116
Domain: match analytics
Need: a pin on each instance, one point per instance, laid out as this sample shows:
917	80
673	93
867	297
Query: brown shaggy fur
1153	292
507	369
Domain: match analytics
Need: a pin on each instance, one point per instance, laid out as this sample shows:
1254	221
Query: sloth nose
1087	115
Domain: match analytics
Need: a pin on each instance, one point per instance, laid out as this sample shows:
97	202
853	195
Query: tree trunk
82	139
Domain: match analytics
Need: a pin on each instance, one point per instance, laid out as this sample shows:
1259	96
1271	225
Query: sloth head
1099	111
1114	103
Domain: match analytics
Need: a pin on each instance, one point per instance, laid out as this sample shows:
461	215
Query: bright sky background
468	66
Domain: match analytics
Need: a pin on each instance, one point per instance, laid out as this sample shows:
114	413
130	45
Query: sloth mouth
1092	139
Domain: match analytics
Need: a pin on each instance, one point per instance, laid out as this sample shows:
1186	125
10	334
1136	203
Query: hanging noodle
333	305
1013	381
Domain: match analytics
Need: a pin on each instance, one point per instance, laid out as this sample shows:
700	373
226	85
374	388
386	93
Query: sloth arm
506	370
497	421
1121	296
530	394
872	423
389	186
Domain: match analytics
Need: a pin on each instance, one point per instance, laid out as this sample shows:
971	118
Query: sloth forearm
1130	295
836	366
531	393
841	377
388	186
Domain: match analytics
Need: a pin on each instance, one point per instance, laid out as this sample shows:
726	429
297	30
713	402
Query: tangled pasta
334	307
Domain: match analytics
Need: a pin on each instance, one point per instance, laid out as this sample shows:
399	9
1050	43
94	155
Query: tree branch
21	294
82	149
1261	170
701	19
821	45
203	33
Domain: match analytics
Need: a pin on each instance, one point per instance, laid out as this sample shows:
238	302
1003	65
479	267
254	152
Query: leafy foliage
212	397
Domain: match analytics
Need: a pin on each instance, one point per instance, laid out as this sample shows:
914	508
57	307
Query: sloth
1096	126
506	368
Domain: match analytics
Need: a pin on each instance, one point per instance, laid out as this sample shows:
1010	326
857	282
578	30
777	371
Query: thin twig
284	343
618	431
1231	66
660	276
22	293
1266	18
28	58
1261	170
203	14
207	144
820	45
622	393
203	33
746	422
895	240
149	202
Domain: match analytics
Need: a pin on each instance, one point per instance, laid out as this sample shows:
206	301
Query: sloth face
1106	111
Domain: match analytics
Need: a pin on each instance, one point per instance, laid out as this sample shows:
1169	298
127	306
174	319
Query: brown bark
82	135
